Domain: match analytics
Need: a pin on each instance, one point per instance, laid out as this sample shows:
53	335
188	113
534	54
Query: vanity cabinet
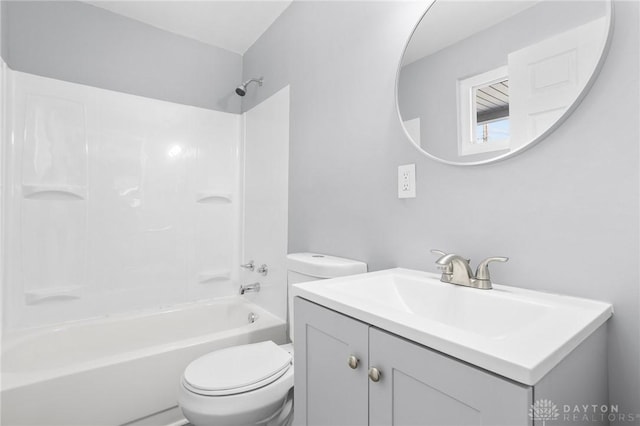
327	390
417	386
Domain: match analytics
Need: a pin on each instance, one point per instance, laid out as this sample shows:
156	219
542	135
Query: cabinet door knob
353	362
374	374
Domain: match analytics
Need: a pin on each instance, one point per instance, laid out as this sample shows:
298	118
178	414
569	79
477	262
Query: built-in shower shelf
54	192
213	197
33	297
213	276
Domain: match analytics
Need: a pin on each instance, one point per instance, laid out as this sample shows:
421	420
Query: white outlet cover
407	181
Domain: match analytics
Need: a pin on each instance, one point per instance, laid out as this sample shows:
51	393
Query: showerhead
242	89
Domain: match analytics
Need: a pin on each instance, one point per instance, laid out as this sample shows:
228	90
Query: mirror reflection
482	80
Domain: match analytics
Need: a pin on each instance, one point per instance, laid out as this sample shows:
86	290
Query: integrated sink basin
517	333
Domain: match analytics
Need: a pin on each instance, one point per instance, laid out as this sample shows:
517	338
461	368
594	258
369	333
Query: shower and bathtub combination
125	221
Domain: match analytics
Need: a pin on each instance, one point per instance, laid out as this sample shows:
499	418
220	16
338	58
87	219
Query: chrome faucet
456	270
249	287
263	269
249	266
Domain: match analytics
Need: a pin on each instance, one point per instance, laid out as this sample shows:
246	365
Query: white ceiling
232	25
450	21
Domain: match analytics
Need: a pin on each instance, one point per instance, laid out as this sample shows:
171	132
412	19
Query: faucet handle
441	254
250	266
446	269
482	272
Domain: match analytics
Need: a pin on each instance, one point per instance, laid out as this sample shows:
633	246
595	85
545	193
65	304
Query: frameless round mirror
481	80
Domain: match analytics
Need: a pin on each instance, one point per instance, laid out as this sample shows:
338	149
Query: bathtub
123	369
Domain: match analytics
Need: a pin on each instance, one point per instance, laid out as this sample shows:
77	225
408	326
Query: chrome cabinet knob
374	374
353	362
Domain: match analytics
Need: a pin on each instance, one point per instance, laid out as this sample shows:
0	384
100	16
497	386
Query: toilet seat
237	369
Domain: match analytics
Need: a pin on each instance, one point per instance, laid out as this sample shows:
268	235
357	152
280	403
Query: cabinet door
419	386
327	390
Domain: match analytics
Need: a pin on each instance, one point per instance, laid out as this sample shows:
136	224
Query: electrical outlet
407	181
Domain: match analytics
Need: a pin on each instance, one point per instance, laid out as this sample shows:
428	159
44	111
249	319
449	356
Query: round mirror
481	80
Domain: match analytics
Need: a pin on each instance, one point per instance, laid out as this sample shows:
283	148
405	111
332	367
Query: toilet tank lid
324	266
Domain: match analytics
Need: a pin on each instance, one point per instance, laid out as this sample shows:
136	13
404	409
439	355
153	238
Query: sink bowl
517	333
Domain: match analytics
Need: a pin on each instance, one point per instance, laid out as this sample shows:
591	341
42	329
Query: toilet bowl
253	384
242	385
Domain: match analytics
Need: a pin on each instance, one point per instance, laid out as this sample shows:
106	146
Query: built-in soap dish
214	276
213	197
33	297
54	192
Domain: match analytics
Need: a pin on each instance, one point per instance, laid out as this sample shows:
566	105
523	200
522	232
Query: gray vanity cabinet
417	386
327	391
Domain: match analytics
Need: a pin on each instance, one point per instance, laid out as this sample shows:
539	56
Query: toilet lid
237	369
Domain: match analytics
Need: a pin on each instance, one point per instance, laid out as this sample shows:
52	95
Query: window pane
492	131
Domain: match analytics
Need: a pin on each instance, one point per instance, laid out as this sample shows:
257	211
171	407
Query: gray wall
3	30
428	88
566	211
84	44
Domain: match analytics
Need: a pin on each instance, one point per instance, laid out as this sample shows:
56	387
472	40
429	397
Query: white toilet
253	384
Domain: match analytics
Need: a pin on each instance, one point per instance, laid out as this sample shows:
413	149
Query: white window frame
467	112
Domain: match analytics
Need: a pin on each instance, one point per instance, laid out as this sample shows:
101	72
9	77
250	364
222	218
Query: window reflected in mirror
492	112
483	113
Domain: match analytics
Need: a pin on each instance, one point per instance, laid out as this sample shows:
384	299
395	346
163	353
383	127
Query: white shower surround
3	137
115	202
266	198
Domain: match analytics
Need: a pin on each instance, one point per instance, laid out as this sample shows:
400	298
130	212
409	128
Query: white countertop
517	333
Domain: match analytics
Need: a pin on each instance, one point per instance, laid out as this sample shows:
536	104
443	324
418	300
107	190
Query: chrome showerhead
242	89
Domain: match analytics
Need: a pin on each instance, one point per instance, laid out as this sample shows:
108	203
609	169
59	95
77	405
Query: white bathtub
120	369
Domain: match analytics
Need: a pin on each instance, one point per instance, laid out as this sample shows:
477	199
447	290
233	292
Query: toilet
253	384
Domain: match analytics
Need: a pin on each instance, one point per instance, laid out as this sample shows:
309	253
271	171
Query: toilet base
270	405
283	416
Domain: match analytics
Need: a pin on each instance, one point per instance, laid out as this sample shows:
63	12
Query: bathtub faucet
249	287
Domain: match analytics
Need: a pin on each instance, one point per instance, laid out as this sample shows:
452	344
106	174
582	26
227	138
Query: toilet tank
304	267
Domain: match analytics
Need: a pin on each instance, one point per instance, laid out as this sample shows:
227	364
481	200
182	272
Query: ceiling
450	21
492	101
232	25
